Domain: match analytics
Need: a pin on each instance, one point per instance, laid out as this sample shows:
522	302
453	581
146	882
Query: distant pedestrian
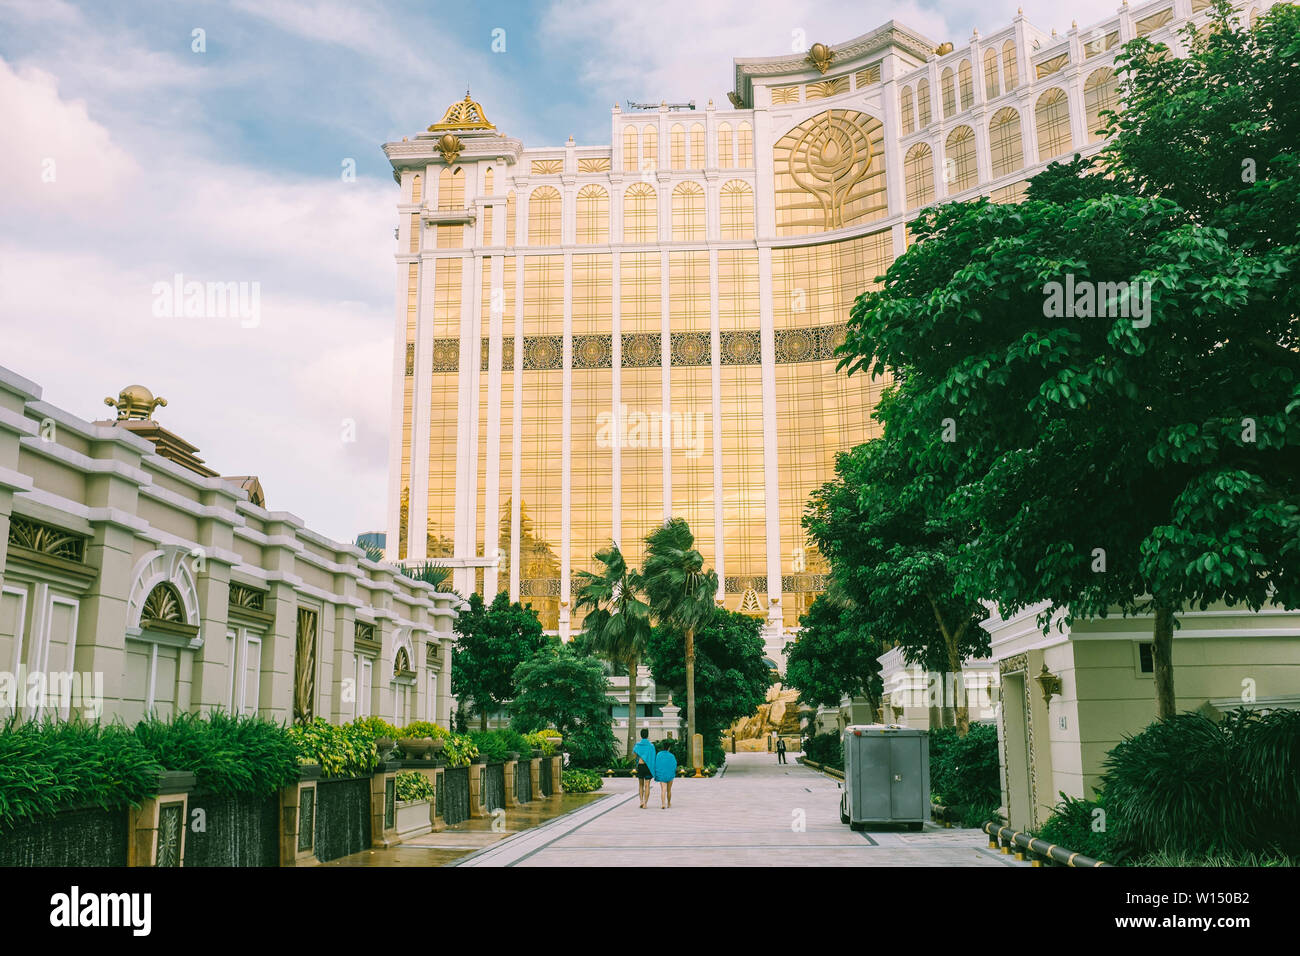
780	750
644	751
665	773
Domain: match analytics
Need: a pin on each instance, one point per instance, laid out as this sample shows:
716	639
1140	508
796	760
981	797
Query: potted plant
415	748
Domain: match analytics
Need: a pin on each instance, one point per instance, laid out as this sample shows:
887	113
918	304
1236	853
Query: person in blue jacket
644	751
665	773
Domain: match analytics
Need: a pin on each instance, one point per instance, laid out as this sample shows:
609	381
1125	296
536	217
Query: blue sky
225	166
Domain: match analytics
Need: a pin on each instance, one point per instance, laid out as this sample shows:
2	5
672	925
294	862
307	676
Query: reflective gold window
677	147
830	173
908	112
688	291
488	179
965	85
544	216
1006	154
923	103
451	235
593	215
649	149
688	212
592	494
1100	93
1010	68
736	210
630	150
640	213
918	172
961	170
417	193
698	159
949	94
737	289
745	145
451	188
641	379
991	74
444	408
1052	118
725	160
510	218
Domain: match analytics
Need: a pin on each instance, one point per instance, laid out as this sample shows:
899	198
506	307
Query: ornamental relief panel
830	173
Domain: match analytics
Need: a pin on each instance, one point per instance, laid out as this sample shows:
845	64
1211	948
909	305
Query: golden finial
450	147
466	114
135	402
820	56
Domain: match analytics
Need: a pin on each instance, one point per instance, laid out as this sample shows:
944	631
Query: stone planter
537	753
384	745
413	818
512	755
416	748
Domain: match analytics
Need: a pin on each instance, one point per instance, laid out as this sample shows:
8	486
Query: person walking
780	750
665	773
644	751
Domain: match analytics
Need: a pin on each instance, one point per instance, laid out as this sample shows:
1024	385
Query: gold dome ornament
135	402
943	49
466	114
450	146
820	56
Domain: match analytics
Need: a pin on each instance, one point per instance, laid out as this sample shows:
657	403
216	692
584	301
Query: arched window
1100	93
510	218
745	145
677	147
949	94
544	216
725	160
649	149
1010	69
698	159
593	215
991	74
640	214
688	212
451	188
631	160
965	84
736	210
488	179
417	190
960	170
1005	152
922	104
918	173
1052	120
908	111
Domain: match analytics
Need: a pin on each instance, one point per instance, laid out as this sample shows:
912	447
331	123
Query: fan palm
617	625
681	594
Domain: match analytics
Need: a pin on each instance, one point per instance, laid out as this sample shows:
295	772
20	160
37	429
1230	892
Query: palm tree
617	624
680	593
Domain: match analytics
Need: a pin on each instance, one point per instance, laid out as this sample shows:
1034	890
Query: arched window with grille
544	216
1010	69
907	110
593	215
1100	93
677	147
960	170
965	85
640	213
745	145
649	149
1006	155
991	74
918	174
1052	120
697	160
949	92
631	150
725	158
923	104
688	212
736	210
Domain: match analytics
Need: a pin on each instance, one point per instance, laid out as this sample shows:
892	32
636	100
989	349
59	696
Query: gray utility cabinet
886	775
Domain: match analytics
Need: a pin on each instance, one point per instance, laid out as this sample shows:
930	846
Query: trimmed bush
581	781
413	785
346	751
499	744
1191	787
825	749
49	766
964	770
228	754
1076	825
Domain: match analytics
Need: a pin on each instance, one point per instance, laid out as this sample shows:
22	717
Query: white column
715	363
616	388
467	380
492	489
666	403
771	476
516	433
566	450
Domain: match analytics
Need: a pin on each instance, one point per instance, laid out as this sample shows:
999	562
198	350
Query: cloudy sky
128	157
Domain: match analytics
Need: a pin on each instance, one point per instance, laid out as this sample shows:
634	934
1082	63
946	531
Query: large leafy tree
732	677
491	641
680	594
617	625
897	552
1146	457
834	655
557	688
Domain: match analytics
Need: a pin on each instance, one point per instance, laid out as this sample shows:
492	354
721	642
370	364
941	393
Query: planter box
413	818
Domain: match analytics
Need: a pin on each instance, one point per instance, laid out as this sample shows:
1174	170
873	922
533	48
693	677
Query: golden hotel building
591	338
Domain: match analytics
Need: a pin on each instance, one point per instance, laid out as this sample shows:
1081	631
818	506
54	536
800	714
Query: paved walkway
757	813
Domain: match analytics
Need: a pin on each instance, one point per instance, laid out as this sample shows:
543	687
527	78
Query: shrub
341	751
546	740
825	749
413	785
580	781
1191	787
499	744
423	728
228	754
50	766
1074	825
714	755
592	747
964	770
458	750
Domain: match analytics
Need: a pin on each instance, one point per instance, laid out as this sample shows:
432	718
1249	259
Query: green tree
897	554
617	625
557	688
1144	456
680	594
732	676
491	641
834	655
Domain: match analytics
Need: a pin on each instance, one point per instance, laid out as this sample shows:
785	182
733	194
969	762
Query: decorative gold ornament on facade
735	99
464	115
135	402
450	147
826	178
820	56
943	49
